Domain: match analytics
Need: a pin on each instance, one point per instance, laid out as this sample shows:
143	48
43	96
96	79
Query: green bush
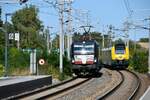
53	62
18	58
18	62
62	76
2	54
53	59
139	61
67	66
1	70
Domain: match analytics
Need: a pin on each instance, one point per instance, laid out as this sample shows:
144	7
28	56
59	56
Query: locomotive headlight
83	51
72	61
95	60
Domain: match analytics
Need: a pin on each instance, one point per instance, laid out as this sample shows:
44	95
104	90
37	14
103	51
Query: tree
27	23
1	22
76	36
97	36
144	40
2	35
2	39
56	42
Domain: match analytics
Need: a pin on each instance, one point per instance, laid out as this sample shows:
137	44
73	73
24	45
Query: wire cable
127	5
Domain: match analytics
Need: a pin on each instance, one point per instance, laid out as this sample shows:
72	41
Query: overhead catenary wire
127	5
48	13
59	6
127	23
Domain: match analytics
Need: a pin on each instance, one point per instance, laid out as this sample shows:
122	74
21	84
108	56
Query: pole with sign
15	36
17	39
41	62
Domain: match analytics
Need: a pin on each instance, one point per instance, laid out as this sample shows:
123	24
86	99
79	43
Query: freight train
85	57
116	56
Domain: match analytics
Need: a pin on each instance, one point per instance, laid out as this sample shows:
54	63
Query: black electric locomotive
85	57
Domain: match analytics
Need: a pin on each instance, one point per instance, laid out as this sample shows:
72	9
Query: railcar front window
120	52
120	49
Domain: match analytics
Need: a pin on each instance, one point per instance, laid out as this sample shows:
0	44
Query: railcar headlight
120	56
95	60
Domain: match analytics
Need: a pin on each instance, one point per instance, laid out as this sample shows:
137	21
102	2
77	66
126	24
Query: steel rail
133	94
32	92
113	89
63	90
137	87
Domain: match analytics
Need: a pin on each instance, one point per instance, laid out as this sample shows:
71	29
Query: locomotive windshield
83	49
120	49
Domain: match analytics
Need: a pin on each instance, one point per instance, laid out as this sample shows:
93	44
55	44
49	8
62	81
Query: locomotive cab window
89	48
83	49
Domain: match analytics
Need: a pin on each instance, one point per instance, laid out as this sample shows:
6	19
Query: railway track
50	91
113	94
136	88
58	90
102	87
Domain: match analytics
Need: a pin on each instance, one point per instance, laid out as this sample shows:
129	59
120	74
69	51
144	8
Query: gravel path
145	82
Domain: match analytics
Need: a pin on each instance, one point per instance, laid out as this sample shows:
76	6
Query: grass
42	70
18	71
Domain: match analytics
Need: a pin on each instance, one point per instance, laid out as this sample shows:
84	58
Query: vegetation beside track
138	58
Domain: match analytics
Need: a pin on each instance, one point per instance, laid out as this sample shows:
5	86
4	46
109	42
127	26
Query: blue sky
101	14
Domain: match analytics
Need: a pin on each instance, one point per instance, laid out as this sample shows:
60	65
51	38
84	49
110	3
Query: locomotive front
84	57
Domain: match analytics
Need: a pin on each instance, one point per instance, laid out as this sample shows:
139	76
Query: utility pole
50	38
6	45
134	40
126	29
49	42
110	35
47	39
1	16
62	24
61	35
69	34
148	44
103	40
